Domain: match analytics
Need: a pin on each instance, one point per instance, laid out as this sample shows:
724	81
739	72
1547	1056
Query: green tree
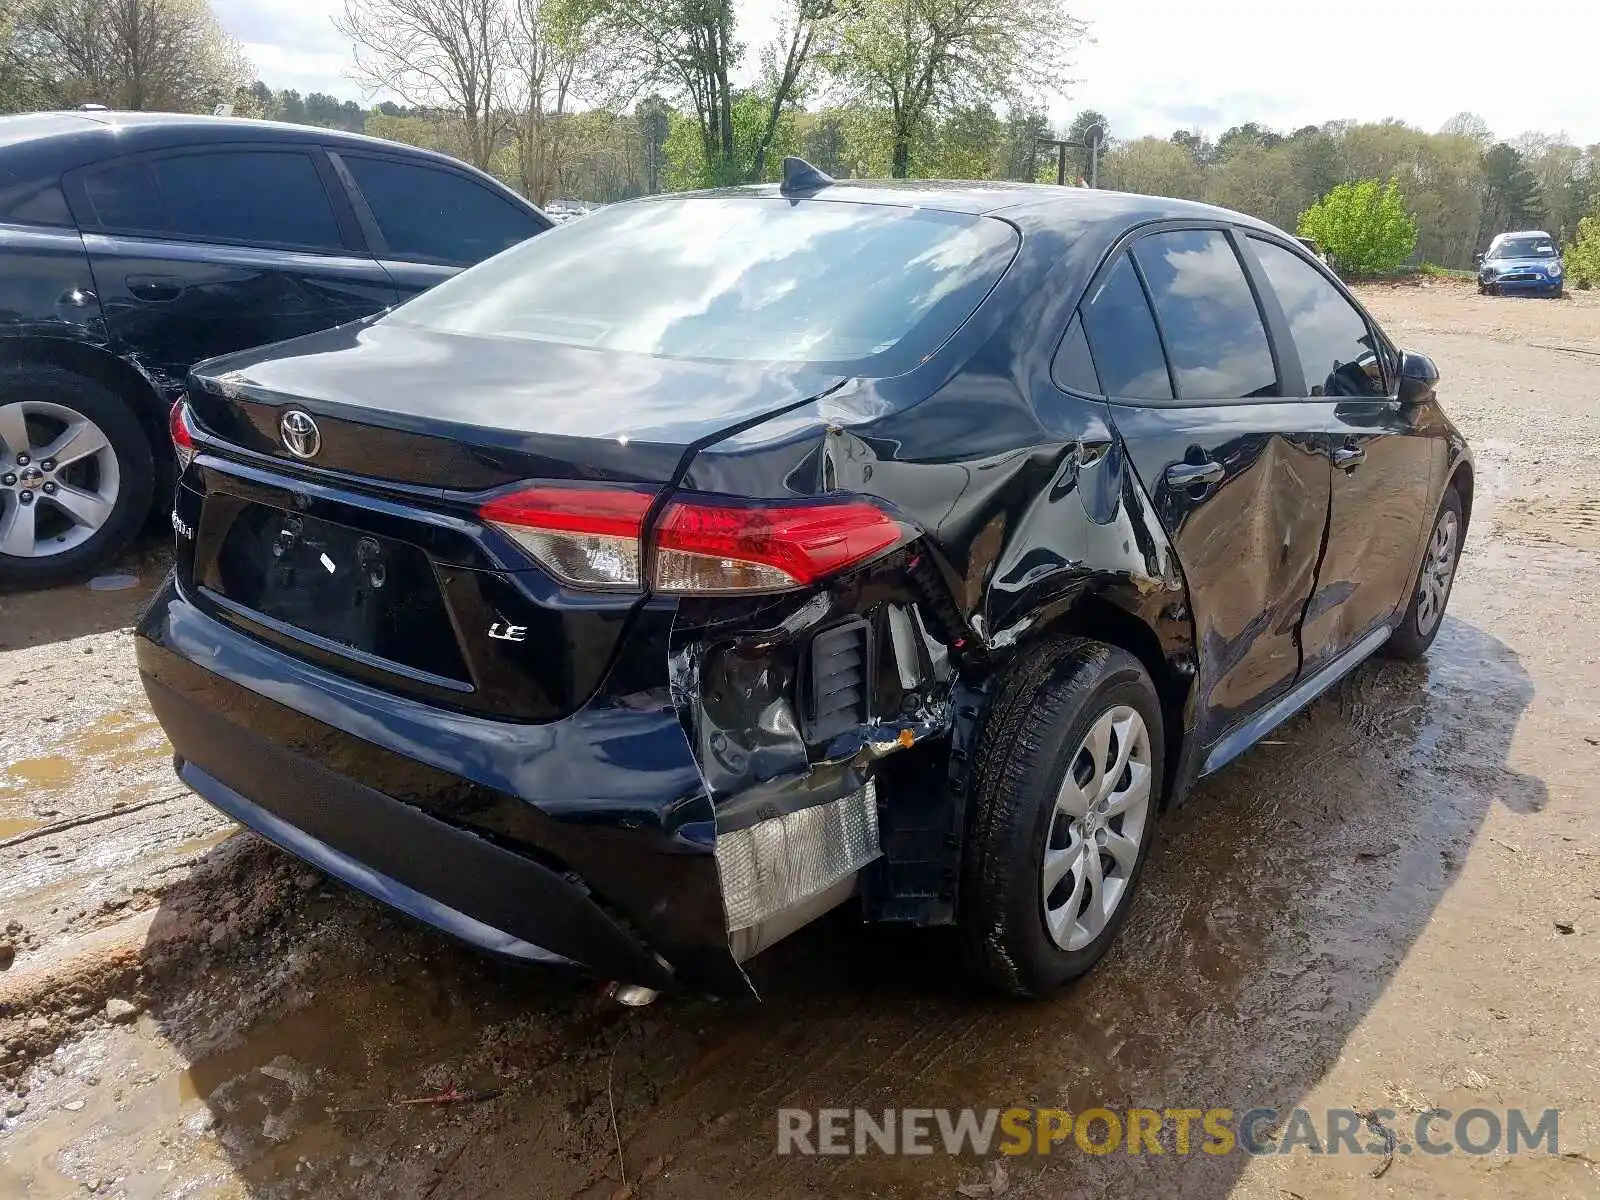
163	55
654	116
1019	156
1260	180
690	49
1249	134
963	145
1153	167
1363	227
915	59
1199	146
822	142
1511	198
1582	259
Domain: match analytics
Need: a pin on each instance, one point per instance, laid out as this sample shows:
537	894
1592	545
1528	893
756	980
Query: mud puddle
351	1054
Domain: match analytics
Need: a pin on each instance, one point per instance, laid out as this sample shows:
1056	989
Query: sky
1153	66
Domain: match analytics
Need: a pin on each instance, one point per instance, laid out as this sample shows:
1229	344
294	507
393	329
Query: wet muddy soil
1392	904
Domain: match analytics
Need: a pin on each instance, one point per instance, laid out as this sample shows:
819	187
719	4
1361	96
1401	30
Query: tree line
602	100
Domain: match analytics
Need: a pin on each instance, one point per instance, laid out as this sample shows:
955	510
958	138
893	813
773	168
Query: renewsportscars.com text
1213	1131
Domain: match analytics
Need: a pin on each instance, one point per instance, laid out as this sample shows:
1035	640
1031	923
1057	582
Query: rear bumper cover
588	842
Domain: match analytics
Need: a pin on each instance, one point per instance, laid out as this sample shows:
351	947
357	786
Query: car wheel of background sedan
76	474
1066	788
1430	597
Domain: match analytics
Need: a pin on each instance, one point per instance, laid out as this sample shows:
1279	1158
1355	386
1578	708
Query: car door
1237	472
1386	458
204	251
428	221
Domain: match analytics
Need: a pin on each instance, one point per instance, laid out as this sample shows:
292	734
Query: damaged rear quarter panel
1028	516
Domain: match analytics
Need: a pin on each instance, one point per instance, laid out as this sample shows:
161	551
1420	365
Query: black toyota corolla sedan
654	587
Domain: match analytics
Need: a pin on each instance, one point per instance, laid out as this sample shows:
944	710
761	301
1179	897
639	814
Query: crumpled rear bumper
588	842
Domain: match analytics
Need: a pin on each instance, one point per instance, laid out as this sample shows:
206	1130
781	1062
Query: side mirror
1419	379
1477	259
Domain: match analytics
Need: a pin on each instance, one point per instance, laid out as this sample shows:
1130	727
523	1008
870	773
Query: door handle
156	288
1186	475
1348	458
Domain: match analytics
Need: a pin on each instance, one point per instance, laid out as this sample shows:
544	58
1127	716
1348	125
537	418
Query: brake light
585	536
706	546
591	538
182	435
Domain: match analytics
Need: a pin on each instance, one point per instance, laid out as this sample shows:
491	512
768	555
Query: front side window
1338	352
438	216
1122	337
1213	330
872	288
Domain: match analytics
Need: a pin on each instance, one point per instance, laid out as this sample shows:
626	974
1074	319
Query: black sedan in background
639	595
133	245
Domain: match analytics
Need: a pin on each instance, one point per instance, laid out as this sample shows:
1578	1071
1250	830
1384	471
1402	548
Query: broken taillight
591	538
182	436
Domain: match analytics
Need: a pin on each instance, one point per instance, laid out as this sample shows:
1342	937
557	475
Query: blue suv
1521	262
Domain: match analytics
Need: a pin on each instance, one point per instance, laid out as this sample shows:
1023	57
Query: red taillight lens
704	546
590	537
585	536
182	437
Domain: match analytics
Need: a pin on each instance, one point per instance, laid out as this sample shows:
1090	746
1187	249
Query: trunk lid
368	557
462	413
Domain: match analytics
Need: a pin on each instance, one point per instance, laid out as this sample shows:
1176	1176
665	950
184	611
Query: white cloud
1159	65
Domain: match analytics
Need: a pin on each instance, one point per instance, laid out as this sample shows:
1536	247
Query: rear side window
1123	339
270	199
1074	366
870	288
1213	329
1340	355
125	197
437	215
254	197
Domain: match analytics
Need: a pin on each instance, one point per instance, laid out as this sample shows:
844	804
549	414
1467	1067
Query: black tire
1032	737
1415	633
134	460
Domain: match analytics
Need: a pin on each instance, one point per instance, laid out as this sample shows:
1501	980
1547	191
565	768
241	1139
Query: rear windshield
1527	247
863	288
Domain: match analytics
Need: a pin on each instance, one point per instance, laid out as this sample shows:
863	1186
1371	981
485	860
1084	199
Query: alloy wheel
1438	569
1101	819
59	479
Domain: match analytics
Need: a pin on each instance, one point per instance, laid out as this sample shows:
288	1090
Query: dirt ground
1394	903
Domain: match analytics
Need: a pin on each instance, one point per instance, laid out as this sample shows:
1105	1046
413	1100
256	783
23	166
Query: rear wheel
76	474
1435	581
1067	785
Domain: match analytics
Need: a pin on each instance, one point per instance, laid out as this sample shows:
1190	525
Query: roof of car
1087	215
989	197
1500	237
60	141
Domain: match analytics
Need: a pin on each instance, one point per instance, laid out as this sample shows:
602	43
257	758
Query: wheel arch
1099	616
147	399
1463	481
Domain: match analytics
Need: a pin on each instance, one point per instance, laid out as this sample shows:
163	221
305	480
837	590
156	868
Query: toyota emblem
300	434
